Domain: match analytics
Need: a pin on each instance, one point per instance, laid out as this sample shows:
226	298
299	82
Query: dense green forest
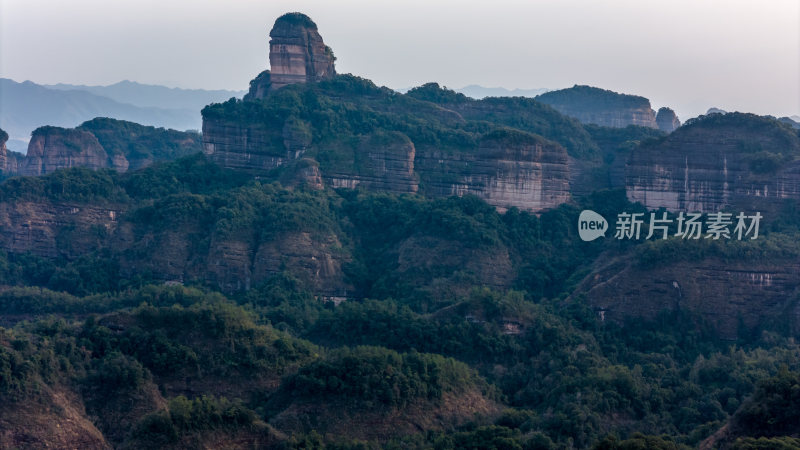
520	363
185	305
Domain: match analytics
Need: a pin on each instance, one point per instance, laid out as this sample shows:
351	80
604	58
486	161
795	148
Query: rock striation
297	54
349	133
381	162
667	120
716	161
732	297
601	107
55	230
3	151
53	148
254	148
100	143
510	169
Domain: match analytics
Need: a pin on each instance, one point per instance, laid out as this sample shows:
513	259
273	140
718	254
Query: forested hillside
461	327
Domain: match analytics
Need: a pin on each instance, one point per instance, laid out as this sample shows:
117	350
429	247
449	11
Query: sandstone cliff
349	132
100	143
297	54
255	148
53	148
716	161
3	150
9	160
510	168
667	120
133	146
733	297
379	162
601	107
315	259
55	230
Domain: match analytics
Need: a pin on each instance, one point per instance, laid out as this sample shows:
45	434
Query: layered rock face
601	107
667	120
720	160
373	138
381	162
132	146
297	54
236	265
728	295
510	168
53	148
254	148
55	230
100	143
3	151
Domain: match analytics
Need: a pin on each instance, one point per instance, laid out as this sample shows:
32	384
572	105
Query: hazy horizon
687	55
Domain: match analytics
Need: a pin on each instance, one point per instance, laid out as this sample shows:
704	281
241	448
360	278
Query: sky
686	54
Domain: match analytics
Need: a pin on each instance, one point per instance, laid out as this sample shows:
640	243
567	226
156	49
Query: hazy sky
688	54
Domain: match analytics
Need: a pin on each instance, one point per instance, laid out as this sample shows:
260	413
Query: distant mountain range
149	95
27	106
479	92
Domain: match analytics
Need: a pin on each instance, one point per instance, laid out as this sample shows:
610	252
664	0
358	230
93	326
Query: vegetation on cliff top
297	18
588	98
346	107
140	142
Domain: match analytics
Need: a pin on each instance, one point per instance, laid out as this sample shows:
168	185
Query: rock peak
296	19
667	120
297	54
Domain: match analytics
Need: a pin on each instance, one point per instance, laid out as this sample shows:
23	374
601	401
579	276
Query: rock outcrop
380	162
3	149
297	54
510	168
55	419
53	148
601	107
54	230
8	161
132	146
353	134
100	143
716	161
305	172
727	295
249	147
667	120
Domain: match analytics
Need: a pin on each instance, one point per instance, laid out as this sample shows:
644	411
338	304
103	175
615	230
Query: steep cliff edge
667	120
56	229
141	145
251	146
601	107
510	169
733	296
379	162
9	160
716	161
363	136
53	148
3	150
100	143
297	54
